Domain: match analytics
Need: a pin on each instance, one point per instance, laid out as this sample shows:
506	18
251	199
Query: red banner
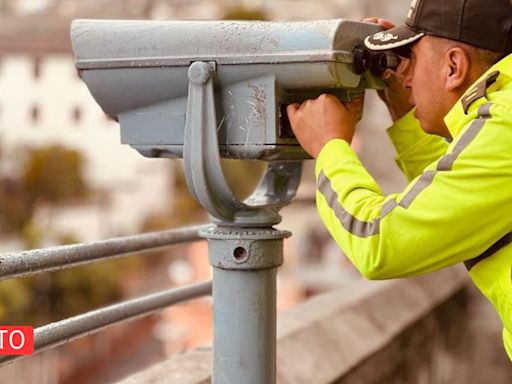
16	340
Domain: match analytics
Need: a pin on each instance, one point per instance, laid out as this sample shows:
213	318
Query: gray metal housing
137	72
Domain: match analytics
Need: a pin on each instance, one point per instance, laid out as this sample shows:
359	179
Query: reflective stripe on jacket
457	207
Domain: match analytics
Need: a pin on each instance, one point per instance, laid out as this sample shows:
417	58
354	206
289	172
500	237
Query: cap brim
392	38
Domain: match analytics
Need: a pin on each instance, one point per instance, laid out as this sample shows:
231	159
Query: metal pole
28	263
244	250
245	265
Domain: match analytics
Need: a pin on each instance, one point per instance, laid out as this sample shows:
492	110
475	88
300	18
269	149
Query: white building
43	101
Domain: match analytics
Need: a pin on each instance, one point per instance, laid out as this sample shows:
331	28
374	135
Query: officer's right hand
395	95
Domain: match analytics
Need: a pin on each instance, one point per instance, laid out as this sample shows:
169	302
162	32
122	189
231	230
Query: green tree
15	205
49	297
54	173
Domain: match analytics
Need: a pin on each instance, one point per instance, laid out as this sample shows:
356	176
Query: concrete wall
394	332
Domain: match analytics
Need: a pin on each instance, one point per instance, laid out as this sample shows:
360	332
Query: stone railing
400	331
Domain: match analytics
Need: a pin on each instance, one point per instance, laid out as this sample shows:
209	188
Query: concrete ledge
329	338
363	333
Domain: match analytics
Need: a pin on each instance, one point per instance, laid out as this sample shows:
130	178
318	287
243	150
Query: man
453	134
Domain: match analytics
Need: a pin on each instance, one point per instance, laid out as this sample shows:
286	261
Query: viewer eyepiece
375	62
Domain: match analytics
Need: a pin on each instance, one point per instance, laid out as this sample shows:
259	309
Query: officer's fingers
358	100
356	104
324	97
305	105
292	110
386	24
328	100
293	107
355	107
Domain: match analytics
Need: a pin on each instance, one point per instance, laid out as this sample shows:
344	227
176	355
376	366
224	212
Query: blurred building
43	101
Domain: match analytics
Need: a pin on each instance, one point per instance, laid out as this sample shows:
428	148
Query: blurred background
65	178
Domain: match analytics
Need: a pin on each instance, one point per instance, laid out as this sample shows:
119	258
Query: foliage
53	296
243	175
15	300
77	290
184	207
54	173
48	297
15	206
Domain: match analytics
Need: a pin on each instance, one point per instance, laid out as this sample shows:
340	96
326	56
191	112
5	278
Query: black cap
482	23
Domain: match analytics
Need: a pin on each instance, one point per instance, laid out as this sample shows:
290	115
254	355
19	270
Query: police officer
453	134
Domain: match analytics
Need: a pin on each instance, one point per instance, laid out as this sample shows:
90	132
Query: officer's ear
457	68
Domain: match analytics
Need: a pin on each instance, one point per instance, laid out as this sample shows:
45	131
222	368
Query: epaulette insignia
479	91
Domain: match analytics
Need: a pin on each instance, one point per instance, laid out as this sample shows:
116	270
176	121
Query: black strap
501	243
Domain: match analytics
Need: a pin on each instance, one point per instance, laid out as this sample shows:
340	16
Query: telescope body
138	73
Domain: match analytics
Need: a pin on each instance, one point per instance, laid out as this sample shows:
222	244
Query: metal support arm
203	170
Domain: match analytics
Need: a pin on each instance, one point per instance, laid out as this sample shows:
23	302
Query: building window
36	67
35	113
77	115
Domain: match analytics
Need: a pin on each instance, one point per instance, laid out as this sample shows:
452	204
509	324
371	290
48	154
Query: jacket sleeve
453	211
415	148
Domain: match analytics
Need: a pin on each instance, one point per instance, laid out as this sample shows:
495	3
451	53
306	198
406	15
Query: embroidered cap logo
384	37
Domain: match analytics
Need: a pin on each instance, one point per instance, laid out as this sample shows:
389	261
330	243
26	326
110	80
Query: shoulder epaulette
479	91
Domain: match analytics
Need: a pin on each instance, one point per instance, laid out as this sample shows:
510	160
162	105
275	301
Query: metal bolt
199	72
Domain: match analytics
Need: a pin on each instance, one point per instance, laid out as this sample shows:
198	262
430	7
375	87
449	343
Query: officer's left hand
316	122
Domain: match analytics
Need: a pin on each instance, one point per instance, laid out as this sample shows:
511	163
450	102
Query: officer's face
426	83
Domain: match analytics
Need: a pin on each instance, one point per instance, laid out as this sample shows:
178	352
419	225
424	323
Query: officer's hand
395	96
386	24
316	122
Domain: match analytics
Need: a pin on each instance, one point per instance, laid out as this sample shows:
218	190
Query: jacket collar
457	119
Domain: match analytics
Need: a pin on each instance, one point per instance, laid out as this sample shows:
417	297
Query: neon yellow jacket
457	207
